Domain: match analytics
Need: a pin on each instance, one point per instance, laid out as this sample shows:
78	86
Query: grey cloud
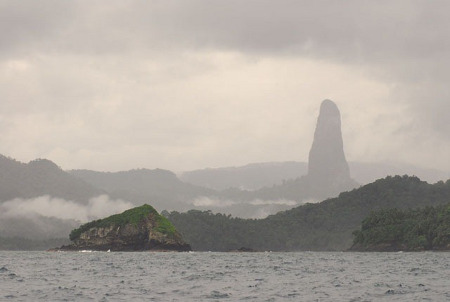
409	36
357	32
28	26
86	54
354	30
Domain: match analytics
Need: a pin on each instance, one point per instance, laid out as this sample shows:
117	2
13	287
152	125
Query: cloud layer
47	217
98	207
190	84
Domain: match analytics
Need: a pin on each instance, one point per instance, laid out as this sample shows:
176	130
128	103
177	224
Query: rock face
327	164
137	229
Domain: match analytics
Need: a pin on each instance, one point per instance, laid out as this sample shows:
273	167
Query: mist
253	209
47	206
47	217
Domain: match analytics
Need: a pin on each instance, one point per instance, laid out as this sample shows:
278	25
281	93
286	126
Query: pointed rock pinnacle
327	163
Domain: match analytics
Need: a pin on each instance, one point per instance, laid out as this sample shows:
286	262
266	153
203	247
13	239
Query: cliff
137	229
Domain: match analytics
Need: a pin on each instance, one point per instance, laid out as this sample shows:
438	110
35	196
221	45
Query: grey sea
201	276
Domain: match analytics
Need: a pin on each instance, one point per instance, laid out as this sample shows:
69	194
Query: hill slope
160	187
249	177
324	226
41	177
258	175
408	230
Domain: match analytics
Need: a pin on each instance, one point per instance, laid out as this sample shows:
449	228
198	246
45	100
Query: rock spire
327	164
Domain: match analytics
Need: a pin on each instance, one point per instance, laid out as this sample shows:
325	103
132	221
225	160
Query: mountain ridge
323	226
41	177
222	178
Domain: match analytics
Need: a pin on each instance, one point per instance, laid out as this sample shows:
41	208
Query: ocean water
201	276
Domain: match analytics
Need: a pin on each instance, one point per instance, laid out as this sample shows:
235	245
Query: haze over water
302	276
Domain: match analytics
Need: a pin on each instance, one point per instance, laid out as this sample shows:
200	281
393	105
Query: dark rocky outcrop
137	229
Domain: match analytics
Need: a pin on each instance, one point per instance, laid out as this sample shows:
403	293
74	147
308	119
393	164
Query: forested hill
323	226
405	230
41	177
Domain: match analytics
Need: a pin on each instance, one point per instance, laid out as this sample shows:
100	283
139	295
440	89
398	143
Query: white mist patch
204	201
97	207
261	202
305	201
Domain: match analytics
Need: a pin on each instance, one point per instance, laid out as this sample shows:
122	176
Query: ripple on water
10	297
217	295
224	276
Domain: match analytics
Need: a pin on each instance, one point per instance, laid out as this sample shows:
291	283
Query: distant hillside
258	175
35	227
364	172
45	183
161	188
41	177
323	226
165	191
299	190
249	177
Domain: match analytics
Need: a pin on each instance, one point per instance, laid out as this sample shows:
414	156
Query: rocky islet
138	229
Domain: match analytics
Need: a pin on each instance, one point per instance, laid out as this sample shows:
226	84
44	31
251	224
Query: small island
138	229
408	230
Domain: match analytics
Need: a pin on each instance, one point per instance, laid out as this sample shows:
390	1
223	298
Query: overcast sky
179	85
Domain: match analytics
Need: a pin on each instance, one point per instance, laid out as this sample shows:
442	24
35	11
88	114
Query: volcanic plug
327	164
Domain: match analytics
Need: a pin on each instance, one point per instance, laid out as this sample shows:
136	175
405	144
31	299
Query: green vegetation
133	216
323	226
165	226
413	229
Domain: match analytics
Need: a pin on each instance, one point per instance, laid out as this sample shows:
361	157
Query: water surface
146	276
